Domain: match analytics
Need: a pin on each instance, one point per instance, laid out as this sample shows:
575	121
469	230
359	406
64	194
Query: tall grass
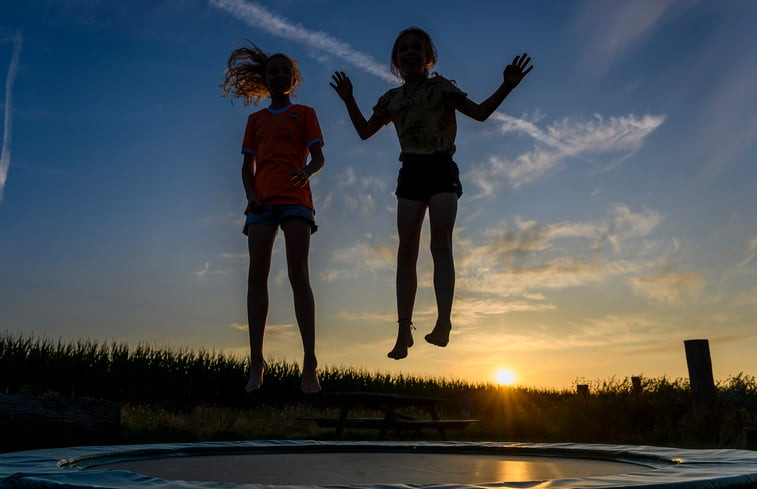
178	377
115	371
180	388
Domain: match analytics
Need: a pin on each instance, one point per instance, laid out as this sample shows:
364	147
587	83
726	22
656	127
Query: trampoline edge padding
76	467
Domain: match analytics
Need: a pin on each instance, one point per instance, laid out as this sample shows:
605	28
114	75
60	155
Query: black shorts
422	176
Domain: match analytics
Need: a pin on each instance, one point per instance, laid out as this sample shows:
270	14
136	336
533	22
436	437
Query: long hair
428	44
245	74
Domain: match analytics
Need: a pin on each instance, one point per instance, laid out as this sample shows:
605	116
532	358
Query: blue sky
609	203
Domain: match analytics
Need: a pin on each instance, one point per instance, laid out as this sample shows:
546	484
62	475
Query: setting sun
504	376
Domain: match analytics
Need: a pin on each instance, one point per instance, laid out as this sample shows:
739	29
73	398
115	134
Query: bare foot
404	340
439	336
310	383
256	378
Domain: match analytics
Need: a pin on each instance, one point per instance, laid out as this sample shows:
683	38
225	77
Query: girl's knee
441	246
299	278
257	281
408	248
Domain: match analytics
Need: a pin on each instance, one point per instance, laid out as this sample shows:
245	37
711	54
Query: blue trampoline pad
313	464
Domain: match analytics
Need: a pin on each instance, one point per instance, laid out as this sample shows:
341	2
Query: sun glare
504	376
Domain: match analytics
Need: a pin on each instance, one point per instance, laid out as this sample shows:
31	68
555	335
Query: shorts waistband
420	158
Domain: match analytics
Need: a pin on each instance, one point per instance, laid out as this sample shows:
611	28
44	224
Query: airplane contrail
5	153
258	16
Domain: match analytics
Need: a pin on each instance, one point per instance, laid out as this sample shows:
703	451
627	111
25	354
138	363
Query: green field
170	395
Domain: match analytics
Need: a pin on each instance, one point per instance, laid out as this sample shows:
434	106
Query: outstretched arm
513	74
343	87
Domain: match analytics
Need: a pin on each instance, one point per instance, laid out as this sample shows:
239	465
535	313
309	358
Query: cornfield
171	394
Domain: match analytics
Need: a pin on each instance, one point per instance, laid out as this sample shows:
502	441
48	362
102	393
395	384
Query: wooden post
636	384
700	373
582	389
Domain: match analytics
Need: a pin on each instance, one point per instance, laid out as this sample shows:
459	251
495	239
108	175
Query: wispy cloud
258	16
208	269
604	332
668	288
624	223
469	312
751	249
5	152
363	316
726	114
359	259
506	243
473	311
356	193
278	339
204	270
553	274
515	261
613	28
245	327
615	136
511	266
239	326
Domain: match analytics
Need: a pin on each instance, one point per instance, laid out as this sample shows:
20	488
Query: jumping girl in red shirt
275	176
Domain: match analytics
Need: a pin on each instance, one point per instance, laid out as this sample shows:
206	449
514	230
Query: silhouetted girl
275	176
423	112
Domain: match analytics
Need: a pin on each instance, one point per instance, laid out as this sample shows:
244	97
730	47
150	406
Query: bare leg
260	245
442	213
297	234
410	214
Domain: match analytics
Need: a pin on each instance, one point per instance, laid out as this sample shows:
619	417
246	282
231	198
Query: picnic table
388	404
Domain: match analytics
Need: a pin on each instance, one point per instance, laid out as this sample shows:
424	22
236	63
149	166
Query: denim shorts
276	214
423	176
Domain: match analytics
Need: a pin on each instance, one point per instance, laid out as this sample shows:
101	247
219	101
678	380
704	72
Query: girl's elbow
476	115
481	116
317	161
367	132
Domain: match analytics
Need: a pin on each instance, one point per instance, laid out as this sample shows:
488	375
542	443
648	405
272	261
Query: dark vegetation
171	395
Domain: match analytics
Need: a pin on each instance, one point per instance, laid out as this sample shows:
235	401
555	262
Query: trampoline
384	465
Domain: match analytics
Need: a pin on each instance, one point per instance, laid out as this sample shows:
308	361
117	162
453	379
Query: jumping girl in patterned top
423	112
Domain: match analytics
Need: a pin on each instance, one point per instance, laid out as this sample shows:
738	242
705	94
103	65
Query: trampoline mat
370	468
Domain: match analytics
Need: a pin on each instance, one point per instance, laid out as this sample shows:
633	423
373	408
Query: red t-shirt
279	141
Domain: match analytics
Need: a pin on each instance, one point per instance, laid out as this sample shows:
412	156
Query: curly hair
245	74
428	44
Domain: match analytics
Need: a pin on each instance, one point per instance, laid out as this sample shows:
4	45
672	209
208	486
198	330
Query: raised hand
517	70
342	85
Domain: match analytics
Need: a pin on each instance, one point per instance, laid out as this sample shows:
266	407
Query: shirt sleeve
450	89
313	134
248	143
381	109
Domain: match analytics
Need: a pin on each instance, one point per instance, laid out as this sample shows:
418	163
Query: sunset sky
608	210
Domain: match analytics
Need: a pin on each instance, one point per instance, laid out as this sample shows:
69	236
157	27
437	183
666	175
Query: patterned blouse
423	117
